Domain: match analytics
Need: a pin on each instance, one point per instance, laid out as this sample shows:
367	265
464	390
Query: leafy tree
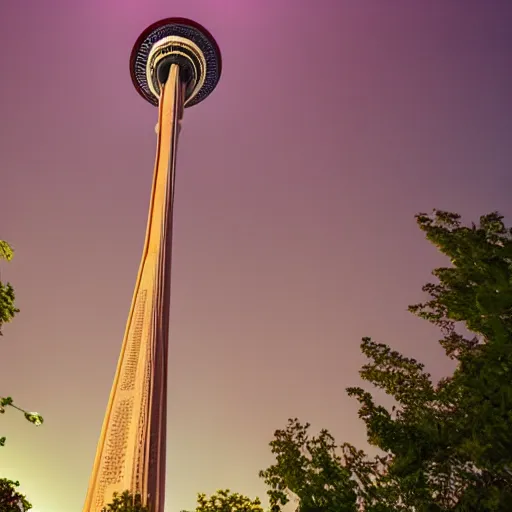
126	502
311	470
449	444
7	305
10	499
226	501
7	312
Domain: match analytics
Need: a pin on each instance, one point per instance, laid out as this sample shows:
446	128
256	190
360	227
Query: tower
175	63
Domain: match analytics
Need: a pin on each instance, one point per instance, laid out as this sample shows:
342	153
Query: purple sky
335	121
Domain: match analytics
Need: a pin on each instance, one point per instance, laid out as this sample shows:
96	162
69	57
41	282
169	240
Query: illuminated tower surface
175	63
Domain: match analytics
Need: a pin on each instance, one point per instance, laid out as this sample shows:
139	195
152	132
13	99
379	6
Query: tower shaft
132	445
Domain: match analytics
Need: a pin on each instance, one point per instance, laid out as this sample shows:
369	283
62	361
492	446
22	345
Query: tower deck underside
131	450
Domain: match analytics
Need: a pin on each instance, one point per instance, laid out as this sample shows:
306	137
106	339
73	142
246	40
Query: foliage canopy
447	445
11	500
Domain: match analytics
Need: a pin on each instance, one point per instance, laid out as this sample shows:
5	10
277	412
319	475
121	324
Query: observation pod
176	41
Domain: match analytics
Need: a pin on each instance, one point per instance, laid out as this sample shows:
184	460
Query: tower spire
174	63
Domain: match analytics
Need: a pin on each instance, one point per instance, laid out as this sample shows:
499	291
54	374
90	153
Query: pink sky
335	121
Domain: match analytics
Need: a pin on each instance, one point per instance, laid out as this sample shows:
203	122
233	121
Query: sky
334	122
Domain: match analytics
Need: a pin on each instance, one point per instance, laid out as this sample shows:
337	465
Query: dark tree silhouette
10	499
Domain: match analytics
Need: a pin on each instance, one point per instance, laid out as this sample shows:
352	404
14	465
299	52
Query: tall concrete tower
175	63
